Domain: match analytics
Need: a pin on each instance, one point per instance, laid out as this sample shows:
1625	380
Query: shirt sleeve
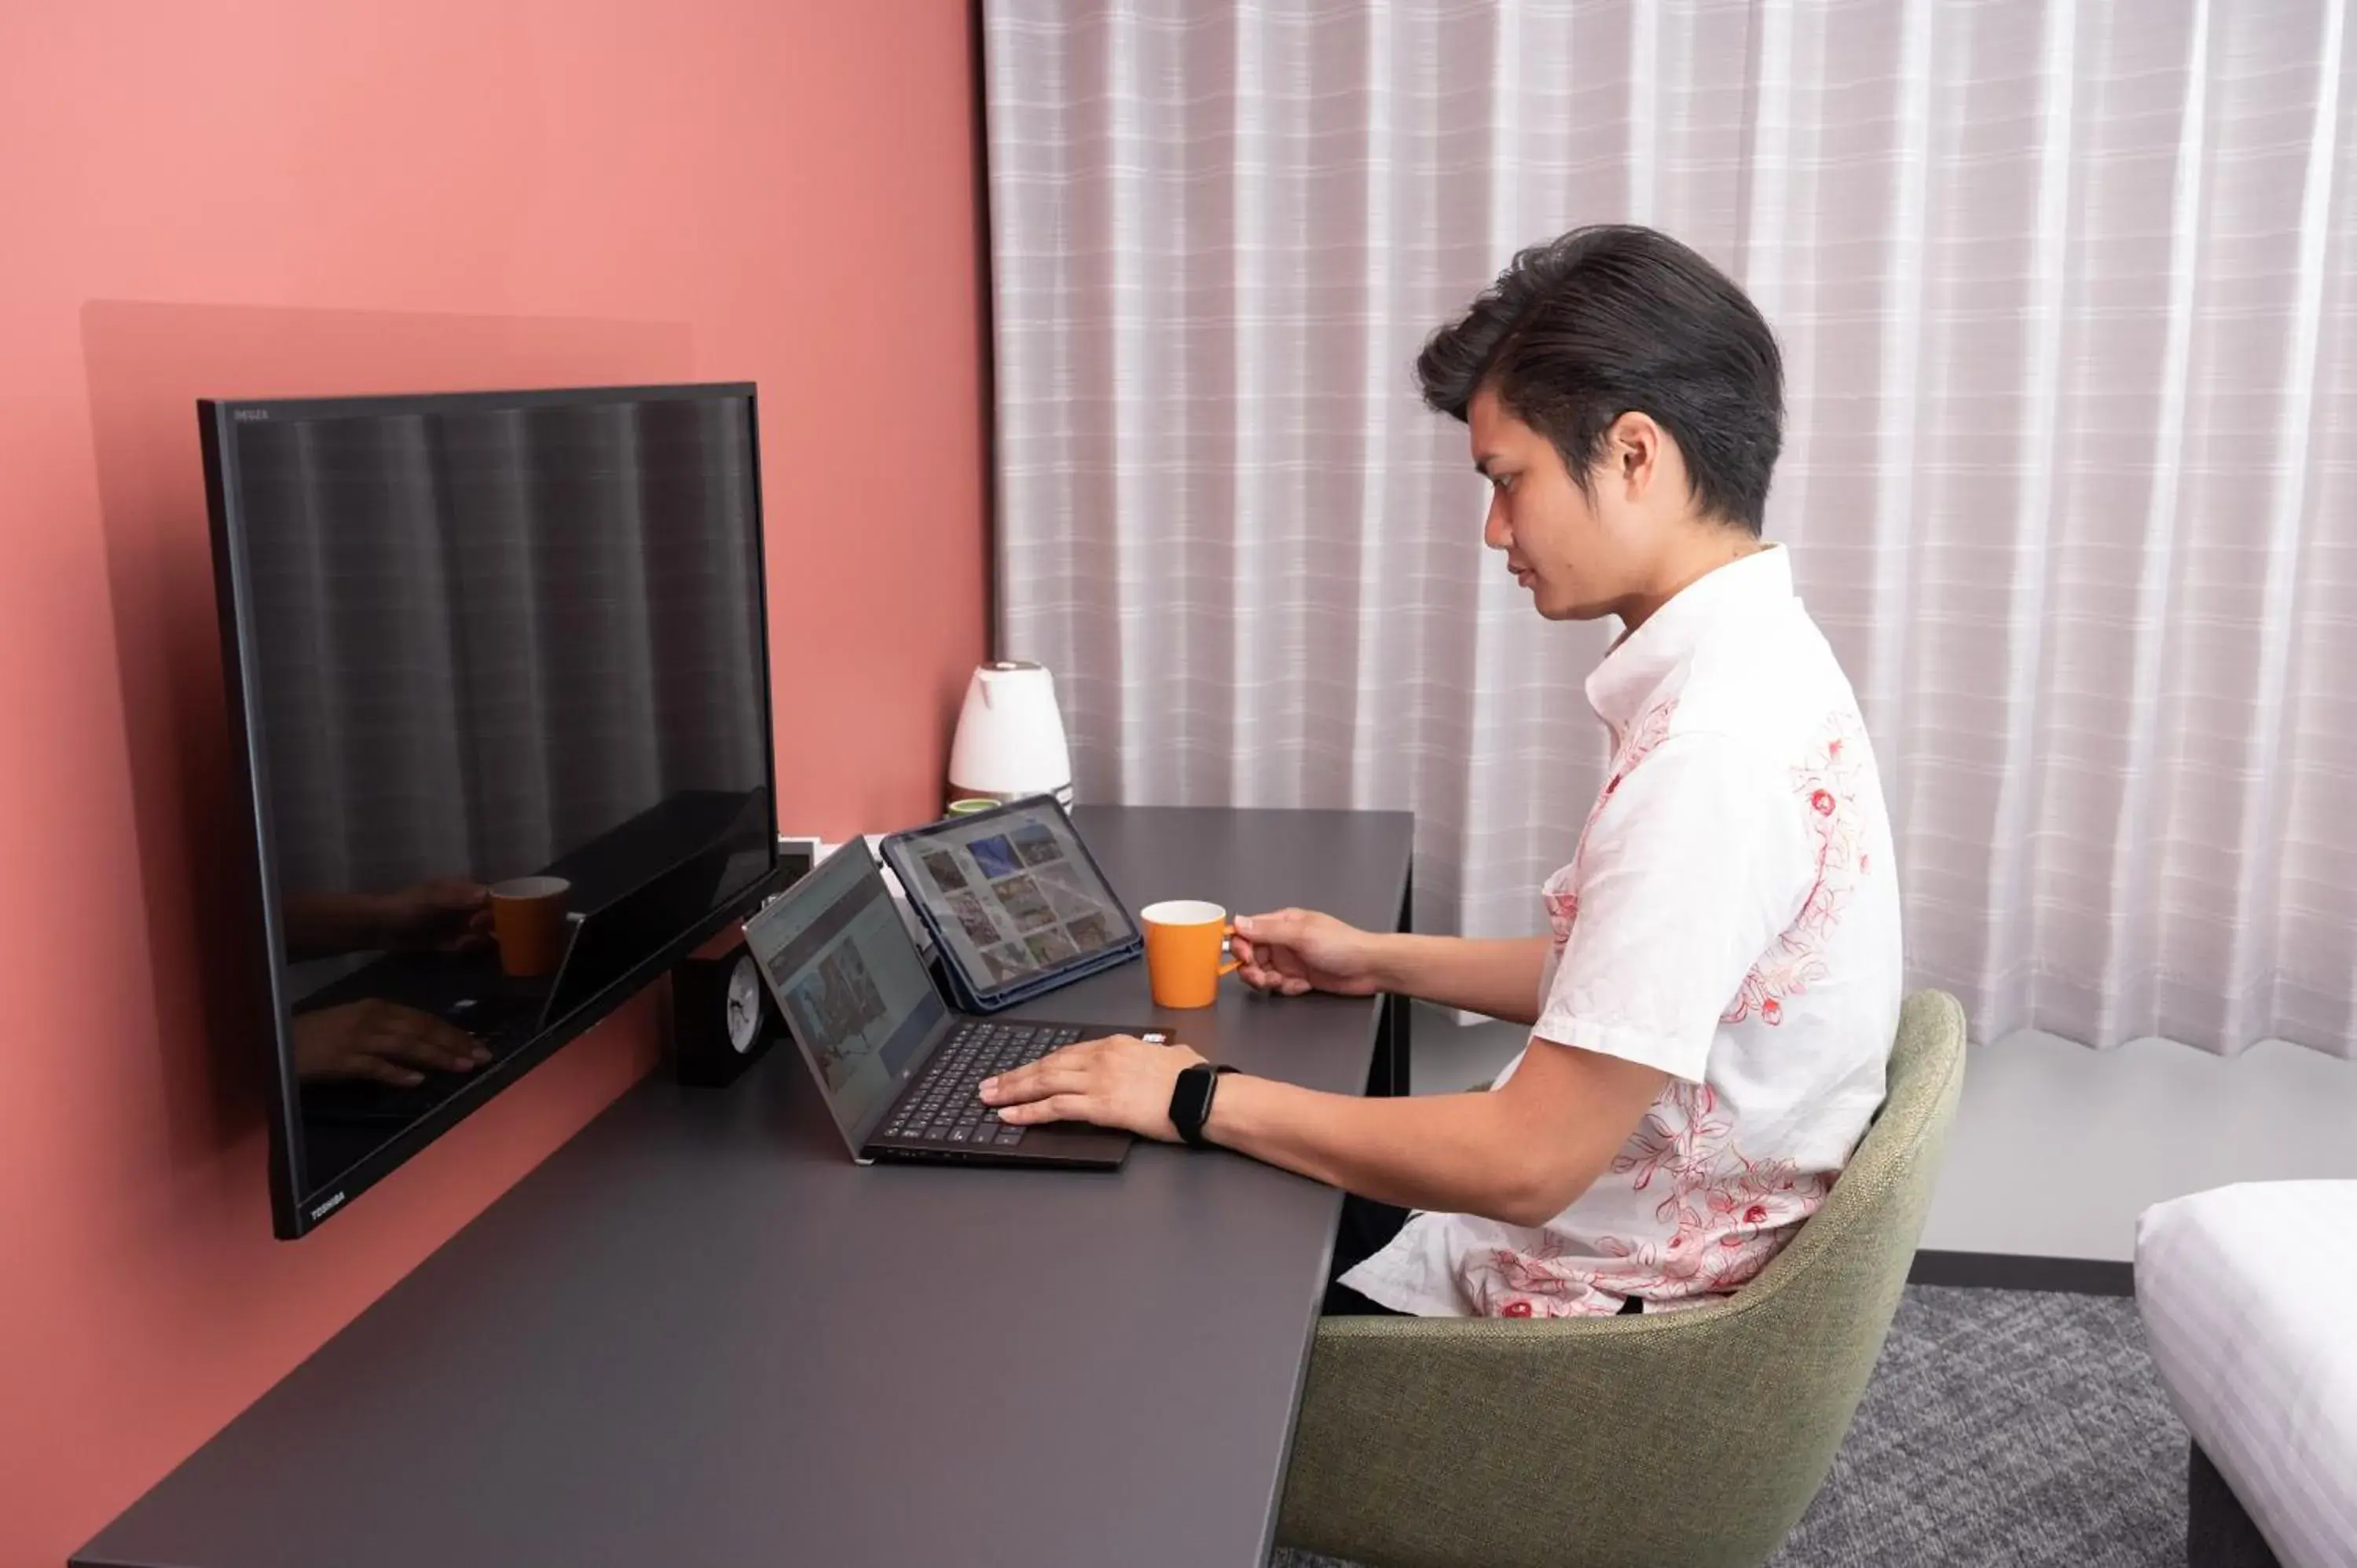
1696	864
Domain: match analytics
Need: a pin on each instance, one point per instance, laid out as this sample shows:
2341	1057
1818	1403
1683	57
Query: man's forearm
319	925
1496	976
1517	1154
1444	1151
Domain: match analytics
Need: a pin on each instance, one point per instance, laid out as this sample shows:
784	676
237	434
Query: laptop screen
851	985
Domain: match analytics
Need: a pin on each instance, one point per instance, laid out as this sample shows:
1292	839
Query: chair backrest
1873	1217
1815	1319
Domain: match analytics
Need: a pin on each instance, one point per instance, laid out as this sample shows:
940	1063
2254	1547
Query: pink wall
268	196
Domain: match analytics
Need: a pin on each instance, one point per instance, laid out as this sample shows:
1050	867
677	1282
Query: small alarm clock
722	1020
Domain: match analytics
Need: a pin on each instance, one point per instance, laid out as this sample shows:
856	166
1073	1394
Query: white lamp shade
1010	736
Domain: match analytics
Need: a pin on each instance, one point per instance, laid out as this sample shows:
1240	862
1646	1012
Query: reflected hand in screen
443	914
440	915
383	1042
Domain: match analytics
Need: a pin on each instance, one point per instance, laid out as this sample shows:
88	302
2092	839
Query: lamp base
1063	793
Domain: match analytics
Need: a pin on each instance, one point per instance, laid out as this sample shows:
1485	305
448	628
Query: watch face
744	1005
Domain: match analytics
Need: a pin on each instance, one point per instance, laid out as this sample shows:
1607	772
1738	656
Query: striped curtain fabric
2066	297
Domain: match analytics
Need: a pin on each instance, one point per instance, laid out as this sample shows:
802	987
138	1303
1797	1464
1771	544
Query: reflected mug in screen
1186	939
528	920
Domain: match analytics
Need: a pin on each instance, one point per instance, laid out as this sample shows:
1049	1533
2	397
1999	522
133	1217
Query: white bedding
2249	1296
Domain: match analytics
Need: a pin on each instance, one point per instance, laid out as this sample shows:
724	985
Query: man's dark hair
1616	319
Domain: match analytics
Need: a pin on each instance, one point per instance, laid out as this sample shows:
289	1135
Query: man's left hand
1121	1081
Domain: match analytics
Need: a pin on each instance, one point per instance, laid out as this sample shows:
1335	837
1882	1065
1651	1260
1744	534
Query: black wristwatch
1190	1100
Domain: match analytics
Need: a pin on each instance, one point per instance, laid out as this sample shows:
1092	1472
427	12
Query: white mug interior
530	887
1184	912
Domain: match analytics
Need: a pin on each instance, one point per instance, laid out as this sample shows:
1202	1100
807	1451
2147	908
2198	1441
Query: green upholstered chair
1690	1438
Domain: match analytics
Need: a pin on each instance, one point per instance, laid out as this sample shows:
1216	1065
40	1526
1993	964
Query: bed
2249	1299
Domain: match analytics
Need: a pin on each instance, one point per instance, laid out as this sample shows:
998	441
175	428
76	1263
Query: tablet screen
1014	894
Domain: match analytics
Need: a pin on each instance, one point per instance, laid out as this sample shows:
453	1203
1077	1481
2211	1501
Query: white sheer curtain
2065	297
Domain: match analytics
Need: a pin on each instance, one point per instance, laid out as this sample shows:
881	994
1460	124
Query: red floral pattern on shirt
1727	1215
1648	731
1827	787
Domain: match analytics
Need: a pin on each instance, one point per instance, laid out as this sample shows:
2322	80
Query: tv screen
498	674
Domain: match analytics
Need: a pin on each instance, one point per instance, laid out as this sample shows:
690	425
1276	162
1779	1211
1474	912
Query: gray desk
698	1333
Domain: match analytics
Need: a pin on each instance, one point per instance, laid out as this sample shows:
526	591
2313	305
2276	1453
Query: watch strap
1190	1100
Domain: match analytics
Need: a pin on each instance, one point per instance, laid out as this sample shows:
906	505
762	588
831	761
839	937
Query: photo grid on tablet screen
971	913
1013	890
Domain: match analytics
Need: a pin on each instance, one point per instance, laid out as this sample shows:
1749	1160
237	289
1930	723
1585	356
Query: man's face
1573	552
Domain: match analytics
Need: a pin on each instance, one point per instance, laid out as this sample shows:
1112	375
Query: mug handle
1232	964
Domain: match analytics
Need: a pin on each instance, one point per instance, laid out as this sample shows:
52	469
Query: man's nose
1494	533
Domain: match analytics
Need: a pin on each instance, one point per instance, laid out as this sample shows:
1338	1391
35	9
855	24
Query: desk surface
698	1333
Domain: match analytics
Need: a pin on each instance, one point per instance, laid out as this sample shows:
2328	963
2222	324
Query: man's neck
1703	549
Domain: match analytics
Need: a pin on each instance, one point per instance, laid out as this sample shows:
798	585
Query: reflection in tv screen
503	681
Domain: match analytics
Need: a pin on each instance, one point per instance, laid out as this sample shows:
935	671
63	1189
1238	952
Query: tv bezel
297	1208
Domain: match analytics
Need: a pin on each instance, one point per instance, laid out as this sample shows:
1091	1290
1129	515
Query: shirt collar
1621	687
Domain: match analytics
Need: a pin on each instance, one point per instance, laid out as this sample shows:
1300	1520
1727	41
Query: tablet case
965	993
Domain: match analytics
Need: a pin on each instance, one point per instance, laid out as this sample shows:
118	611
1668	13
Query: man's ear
1633	453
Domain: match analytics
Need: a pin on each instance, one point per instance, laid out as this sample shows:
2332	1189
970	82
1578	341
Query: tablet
1014	900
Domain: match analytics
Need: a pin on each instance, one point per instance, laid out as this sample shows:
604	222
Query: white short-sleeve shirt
1729	916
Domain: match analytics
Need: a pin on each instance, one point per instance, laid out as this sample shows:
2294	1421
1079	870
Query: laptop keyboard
944	1108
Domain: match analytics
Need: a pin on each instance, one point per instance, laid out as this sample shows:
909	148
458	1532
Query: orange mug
1185	939
528	923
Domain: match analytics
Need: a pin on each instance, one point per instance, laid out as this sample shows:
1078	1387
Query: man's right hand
1293	951
442	914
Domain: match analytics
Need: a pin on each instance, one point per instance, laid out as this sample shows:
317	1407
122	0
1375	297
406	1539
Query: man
1713	1009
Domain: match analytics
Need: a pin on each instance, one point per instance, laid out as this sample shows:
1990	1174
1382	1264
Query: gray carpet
2002	1427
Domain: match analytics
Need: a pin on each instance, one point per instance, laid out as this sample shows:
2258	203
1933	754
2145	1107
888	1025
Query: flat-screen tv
498	680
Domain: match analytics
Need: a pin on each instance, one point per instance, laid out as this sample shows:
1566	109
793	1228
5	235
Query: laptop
899	1069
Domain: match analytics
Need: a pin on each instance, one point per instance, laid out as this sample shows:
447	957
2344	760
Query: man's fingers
458	1050
455	893
464	1050
1276	964
1007	1086
1043	1077
423	1040
378	1071
1055	1108
1278	926
420	1051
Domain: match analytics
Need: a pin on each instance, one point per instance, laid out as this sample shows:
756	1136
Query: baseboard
2010	1271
